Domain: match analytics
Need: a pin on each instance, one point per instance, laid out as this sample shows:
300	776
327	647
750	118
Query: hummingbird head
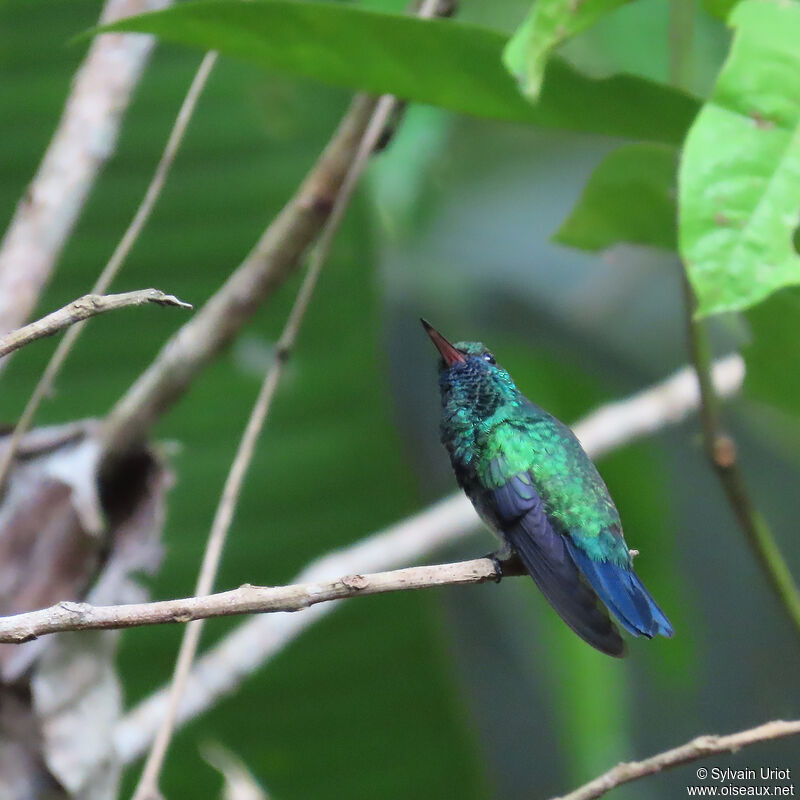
469	376
458	353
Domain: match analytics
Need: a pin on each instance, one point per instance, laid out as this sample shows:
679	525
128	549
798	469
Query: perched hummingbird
532	483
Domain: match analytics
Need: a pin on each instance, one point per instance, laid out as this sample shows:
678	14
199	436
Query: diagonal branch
701	747
247	599
90	305
85	138
276	255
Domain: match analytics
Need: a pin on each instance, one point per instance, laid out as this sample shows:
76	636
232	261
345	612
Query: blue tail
623	592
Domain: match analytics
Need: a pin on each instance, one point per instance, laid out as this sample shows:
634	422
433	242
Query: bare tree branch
222	669
276	255
247	599
84	140
721	451
90	305
701	747
666	403
59	357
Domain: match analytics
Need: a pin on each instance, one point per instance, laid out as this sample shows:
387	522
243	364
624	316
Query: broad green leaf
630	197
773	357
548	24
739	178
440	62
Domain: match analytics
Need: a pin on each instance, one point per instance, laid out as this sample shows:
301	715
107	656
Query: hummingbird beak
449	353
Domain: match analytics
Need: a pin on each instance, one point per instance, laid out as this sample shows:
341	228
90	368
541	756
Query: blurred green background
472	692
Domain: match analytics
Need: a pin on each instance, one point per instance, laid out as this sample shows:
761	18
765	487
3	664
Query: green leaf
548	24
740	174
630	197
773	357
398	179
440	62
719	8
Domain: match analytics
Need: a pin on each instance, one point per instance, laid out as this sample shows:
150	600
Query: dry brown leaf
65	535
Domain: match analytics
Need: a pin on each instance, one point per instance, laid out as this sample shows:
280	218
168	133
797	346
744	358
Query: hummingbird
534	486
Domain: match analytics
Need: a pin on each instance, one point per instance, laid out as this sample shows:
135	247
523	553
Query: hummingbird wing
599	556
587	519
519	513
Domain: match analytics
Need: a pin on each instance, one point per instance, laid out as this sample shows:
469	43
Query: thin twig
45	385
247	599
276	255
722	454
220	671
85	138
701	747
148	782
159	176
90	305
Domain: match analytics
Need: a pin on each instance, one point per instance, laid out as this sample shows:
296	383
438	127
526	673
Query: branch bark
85	138
247	599
90	305
701	747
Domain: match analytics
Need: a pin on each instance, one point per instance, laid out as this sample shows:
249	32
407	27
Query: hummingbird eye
489	358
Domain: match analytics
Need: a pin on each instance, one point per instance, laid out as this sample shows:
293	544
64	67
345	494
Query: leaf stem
721	451
681	40
720	447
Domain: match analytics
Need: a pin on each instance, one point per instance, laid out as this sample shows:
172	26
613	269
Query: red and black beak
449	353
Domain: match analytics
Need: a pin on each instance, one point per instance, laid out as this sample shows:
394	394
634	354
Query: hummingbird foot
507	564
